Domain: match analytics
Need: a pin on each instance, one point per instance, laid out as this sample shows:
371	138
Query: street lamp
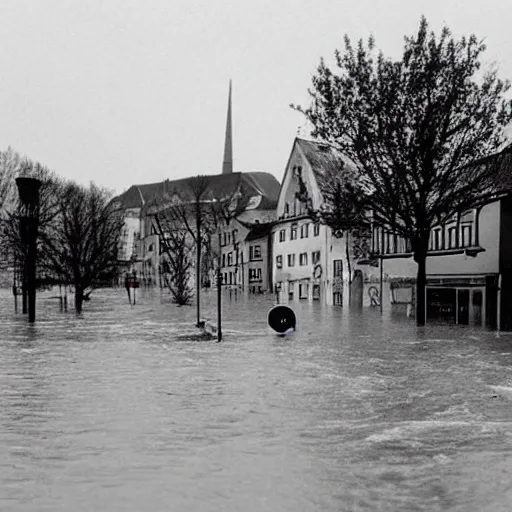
28	190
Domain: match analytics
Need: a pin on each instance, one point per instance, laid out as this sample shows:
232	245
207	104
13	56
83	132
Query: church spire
227	164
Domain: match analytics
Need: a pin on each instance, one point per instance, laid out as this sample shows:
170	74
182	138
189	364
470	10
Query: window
338	268
233	234
316	229
435	240
254	252
316	292
389	243
291	287
291	260
150	248
293	233
303	258
255	274
452	237
279	261
230	259
286	209
303	290
282	235
466	233
223	260
304	229
315	257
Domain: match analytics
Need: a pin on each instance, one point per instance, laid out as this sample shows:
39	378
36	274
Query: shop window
316	292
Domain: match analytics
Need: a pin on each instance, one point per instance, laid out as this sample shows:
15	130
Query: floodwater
117	411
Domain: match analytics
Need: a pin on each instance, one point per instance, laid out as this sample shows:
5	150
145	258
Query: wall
260	263
130	230
486	262
300	245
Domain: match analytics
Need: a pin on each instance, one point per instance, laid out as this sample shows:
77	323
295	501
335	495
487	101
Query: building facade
148	237
309	261
469	268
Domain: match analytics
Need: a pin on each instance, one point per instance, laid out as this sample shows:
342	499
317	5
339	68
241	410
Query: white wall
459	264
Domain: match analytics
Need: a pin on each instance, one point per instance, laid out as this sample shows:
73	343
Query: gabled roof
254	183
322	156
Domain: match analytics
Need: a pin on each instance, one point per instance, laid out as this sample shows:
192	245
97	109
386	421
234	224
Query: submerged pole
28	190
219	305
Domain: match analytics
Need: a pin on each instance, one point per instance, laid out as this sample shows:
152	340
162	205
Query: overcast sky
125	92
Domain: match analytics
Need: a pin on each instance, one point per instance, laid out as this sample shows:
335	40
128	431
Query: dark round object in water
281	318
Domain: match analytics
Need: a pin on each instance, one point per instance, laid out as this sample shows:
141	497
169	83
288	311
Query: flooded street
117	411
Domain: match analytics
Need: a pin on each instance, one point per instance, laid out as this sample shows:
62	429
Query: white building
309	262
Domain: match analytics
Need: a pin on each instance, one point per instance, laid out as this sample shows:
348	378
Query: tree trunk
420	257
198	266
79	299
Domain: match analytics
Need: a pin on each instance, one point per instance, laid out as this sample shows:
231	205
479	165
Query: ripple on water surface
117	410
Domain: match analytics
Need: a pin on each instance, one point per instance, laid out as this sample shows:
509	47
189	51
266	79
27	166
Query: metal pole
219	304
381	270
32	274
381	285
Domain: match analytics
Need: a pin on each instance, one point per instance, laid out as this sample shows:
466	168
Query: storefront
461	301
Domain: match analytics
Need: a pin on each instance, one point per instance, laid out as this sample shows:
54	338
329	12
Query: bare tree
11	163
413	128
13	247
196	211
177	261
82	247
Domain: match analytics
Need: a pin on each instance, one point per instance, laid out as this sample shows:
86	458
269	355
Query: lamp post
28	190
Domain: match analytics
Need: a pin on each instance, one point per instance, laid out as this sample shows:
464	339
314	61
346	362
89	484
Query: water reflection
356	411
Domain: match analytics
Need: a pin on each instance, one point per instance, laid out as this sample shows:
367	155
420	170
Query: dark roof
256	230
322	156
254	183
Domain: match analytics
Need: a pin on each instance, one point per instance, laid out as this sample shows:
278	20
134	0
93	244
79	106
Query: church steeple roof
227	164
